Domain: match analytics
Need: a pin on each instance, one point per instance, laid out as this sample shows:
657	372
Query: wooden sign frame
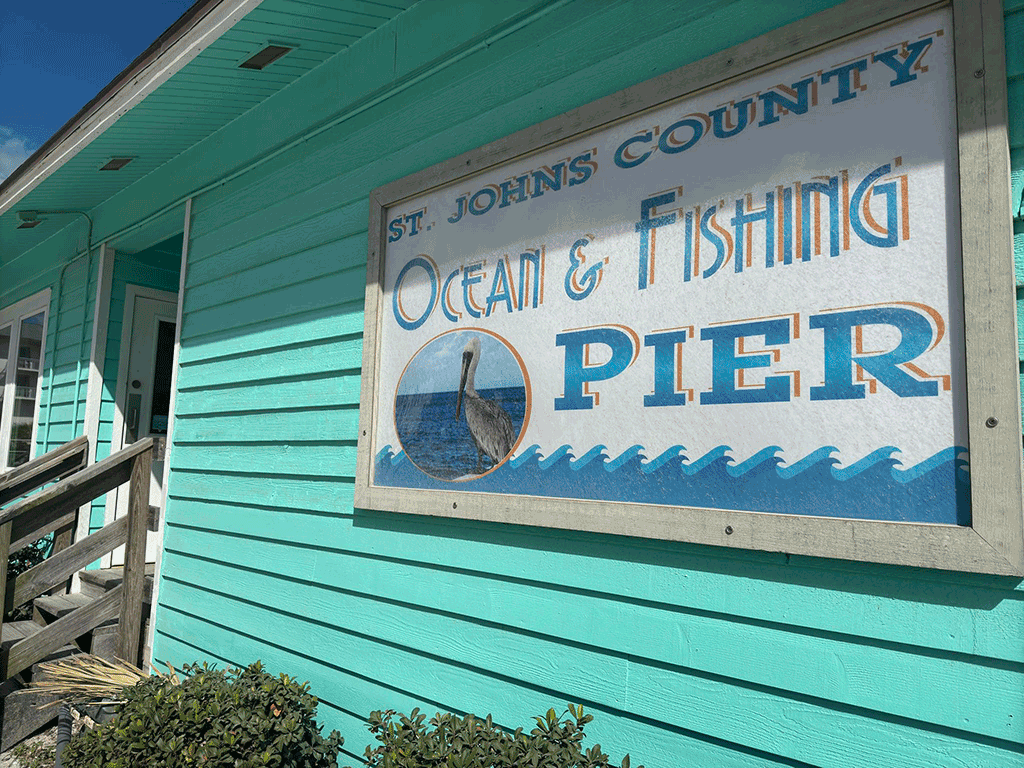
994	542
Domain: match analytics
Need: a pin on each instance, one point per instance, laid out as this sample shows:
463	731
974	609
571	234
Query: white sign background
913	121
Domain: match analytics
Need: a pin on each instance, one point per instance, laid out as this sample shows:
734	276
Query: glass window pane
26	385
162	378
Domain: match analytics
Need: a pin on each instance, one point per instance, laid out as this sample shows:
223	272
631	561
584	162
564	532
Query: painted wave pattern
877	487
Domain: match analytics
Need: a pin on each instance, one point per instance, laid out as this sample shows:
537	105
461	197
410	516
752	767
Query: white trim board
159	534
94	391
117	429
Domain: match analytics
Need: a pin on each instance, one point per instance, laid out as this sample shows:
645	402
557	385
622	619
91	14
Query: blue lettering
890	239
623	156
396	228
668	142
644	227
727	367
500	289
460	211
916	336
492	198
411	324
711	235
902	68
526	259
578	374
574	289
718	119
470	279
830	190
545	178
741	219
772	99
666	345
446	297
513	194
842	75
583	167
414	220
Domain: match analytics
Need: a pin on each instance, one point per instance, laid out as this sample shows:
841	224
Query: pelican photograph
461	404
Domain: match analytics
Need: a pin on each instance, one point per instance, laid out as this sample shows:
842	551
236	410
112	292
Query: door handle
132	417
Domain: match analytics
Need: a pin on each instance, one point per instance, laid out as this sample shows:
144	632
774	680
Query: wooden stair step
49	608
22	710
14	631
22	713
96	583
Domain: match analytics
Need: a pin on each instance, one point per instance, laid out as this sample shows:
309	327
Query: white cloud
14	150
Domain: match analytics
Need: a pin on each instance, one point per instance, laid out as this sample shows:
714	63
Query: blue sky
438	366
56	55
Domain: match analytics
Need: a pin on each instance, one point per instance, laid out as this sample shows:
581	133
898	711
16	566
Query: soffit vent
264	58
116	163
28	219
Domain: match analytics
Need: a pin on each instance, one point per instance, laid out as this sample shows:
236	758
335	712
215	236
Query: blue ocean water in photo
436	442
877	487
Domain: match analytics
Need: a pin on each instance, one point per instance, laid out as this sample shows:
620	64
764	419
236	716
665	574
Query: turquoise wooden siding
1015	101
157	267
65	370
688	655
69	340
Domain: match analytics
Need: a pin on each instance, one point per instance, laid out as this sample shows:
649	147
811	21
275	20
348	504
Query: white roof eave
139	85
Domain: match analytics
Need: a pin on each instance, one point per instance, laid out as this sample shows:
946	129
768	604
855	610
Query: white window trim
13	315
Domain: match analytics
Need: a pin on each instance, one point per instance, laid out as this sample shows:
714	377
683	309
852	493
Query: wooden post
5	553
130	624
62	539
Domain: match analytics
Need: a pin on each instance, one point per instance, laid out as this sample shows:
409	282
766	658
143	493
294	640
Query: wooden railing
54	509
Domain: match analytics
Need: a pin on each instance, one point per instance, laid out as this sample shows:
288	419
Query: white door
144	389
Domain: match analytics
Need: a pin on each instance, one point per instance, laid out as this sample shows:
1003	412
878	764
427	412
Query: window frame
13	315
994	542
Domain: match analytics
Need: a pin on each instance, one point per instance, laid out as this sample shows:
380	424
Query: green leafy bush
468	742
19	562
231	718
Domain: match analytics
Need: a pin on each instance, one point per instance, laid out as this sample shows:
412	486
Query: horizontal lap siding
65	372
65	380
689	655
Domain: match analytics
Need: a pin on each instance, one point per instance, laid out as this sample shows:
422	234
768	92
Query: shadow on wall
914	585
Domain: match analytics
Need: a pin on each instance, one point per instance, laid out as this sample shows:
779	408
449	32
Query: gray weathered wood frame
994	543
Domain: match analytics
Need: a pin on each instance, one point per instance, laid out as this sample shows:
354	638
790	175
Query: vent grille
264	58
116	163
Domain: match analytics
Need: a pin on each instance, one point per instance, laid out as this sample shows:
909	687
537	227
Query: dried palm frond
85	677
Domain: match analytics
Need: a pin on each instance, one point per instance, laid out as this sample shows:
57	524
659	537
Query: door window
22	341
161	405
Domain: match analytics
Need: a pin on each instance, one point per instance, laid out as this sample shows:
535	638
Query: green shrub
221	719
19	562
468	742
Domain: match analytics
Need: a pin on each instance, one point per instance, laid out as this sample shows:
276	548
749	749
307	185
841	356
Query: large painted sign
763	301
748	299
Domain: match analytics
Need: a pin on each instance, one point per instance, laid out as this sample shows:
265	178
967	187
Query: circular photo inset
462	404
